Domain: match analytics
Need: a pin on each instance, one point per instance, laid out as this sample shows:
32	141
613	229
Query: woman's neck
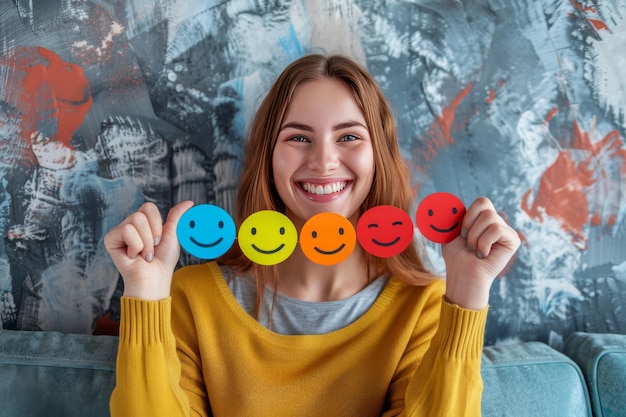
305	280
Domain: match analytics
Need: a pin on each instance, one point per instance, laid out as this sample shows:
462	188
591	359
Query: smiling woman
322	152
323	157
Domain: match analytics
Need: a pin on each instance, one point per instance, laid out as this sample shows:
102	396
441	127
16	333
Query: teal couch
58	375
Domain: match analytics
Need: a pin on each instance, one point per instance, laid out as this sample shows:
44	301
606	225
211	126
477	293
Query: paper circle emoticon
206	231
327	238
384	231
267	237
439	217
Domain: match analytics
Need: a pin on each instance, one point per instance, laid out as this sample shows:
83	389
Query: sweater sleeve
443	375
148	371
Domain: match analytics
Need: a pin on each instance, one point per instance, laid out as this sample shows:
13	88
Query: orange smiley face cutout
439	217
327	238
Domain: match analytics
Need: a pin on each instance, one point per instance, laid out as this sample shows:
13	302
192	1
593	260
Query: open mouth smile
323	189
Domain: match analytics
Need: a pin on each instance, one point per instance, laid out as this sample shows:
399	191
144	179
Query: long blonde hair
391	184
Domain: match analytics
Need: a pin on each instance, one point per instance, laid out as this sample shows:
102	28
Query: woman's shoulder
435	285
196	277
429	293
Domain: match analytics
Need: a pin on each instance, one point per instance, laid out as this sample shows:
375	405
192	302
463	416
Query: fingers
483	228
137	234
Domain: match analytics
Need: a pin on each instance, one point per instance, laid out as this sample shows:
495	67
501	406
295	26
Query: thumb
169	240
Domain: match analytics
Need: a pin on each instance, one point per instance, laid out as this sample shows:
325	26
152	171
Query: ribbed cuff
462	332
145	322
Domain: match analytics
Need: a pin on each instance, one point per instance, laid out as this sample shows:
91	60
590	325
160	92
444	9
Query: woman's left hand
474	259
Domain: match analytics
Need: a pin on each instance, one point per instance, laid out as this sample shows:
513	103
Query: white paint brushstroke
107	41
188	24
335	26
604	67
620	271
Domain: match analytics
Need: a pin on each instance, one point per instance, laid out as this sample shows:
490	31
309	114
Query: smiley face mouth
332	252
379	243
206	245
267	252
436	229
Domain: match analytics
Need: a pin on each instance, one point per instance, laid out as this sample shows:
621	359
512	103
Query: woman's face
323	159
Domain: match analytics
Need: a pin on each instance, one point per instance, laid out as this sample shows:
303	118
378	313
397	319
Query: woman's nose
324	157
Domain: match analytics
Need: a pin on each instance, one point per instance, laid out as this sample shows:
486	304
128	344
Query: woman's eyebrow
339	126
349	124
296	125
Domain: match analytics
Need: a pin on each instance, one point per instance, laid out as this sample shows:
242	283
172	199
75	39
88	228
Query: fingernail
149	257
157	240
464	233
480	255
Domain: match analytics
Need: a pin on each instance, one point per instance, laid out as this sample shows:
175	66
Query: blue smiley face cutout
206	231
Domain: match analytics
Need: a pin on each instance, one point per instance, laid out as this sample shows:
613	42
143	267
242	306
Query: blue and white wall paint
104	105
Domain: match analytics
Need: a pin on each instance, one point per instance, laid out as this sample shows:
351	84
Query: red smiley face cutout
439	217
384	231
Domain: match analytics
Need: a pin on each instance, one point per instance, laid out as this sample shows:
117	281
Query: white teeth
324	189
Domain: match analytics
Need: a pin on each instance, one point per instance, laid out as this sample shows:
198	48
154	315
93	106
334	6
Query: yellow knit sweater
199	353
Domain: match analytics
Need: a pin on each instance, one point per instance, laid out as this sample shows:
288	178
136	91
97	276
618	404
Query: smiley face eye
341	230
454	210
192	224
314	234
372	225
282	231
430	212
397	224
253	231
220	224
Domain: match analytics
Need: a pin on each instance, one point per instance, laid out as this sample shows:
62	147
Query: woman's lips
323	191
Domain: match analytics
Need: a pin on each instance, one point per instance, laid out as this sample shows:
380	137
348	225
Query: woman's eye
299	139
349	138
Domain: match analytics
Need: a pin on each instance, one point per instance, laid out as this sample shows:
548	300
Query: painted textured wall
104	105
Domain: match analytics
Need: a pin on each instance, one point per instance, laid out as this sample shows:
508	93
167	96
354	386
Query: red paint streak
440	133
565	191
551	114
582	8
612	219
492	92
107	326
52	95
596	23
561	195
446	119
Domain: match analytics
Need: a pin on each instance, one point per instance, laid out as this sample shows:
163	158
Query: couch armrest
54	374
532	379
602	358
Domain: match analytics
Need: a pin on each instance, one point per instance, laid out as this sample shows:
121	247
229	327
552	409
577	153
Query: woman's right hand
146	251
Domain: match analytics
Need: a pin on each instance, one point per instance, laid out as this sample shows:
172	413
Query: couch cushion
54	374
602	358
532	379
